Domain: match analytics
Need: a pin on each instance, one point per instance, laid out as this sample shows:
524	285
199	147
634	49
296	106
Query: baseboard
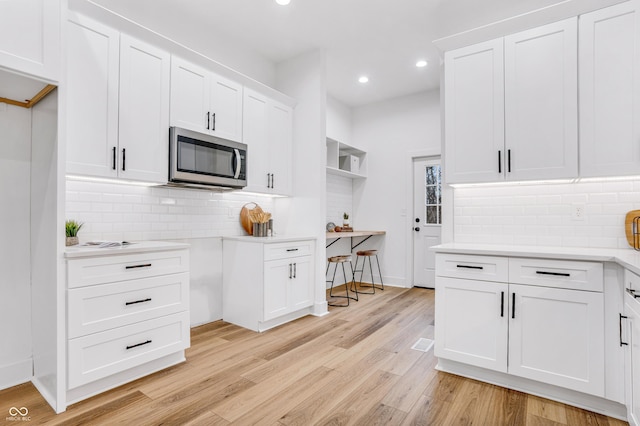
46	394
320	309
16	374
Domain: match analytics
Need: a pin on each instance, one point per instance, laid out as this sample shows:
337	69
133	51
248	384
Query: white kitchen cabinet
609	66
631	340
268	132
127	314
345	160
474	113
511	107
30	37
205	102
143	131
545	322
266	281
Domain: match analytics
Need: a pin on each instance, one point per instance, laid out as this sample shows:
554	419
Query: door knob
417	229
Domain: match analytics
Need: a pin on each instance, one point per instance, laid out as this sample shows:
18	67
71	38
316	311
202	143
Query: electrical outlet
577	211
230	213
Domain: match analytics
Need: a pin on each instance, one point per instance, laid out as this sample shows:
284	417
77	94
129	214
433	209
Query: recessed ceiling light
363	79
283	2
421	63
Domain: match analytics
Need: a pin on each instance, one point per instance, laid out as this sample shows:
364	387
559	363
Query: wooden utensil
633	240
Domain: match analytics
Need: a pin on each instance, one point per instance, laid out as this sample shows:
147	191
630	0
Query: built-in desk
335	236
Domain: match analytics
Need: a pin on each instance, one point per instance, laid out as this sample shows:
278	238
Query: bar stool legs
341	260
368	254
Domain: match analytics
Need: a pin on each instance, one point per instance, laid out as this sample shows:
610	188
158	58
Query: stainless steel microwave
196	159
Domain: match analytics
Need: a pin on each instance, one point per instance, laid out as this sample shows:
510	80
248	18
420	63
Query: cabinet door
302	283
609	91
255	132
30	37
474	113
556	336
280	147
144	111
226	108
541	102
632	361
189	96
277	277
92	107
472	322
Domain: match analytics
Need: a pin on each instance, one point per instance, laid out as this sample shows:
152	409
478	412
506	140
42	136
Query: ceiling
380	39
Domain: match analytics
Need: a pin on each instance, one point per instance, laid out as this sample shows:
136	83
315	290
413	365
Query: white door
280	140
277	277
541	102
632	361
226	108
427	215
255	131
556	336
472	322
189	96
301	284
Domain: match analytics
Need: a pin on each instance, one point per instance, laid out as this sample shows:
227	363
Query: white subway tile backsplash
541	214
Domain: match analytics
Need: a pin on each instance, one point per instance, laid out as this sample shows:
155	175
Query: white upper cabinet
541	102
30	37
92	88
144	111
609	91
280	147
511	107
205	102
474	113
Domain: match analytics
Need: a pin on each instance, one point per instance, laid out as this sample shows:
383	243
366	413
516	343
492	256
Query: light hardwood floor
354	366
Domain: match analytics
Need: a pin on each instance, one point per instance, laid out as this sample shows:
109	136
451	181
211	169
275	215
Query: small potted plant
345	219
72	228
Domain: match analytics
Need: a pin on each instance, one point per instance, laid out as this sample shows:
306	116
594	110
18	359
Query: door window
433	194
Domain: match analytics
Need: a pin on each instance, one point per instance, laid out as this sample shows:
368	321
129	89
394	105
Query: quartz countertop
627	258
133	247
268	240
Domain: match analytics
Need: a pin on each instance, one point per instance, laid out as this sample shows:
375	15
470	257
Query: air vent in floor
423	345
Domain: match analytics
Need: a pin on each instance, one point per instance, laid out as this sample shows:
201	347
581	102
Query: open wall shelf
345	160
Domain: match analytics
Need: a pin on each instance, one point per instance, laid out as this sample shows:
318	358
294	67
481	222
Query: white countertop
628	258
134	247
268	240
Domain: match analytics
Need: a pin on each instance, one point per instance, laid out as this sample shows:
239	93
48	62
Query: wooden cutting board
628	228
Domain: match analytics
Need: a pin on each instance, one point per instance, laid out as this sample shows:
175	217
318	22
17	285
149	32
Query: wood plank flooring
352	367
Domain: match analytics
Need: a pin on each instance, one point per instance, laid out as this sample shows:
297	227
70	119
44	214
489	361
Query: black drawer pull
146	265
292	249
555	274
138	301
621	342
513	305
502	304
470	267
138	344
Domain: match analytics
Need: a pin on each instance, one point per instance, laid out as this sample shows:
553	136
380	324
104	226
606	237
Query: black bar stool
368	254
341	260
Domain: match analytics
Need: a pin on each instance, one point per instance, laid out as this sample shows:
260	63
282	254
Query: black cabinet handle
509	160
208	114
290	270
621	342
145	265
555	274
633	293
268	180
138	301
295	270
124	158
513	305
470	267
502	304
213	126
499	161
114	158
273	180
294	249
138	344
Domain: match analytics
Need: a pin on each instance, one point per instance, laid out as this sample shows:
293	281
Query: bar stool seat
368	254
341	260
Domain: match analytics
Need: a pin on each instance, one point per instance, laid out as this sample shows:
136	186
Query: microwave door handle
238	164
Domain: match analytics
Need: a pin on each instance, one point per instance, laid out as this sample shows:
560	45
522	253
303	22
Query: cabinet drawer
290	249
484	268
101	307
572	275
106	269
631	281
100	355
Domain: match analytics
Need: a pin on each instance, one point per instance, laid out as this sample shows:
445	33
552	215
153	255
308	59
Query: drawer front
484	268
291	249
101	307
572	275
631	282
100	355
107	269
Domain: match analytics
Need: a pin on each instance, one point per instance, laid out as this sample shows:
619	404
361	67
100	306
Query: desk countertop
331	235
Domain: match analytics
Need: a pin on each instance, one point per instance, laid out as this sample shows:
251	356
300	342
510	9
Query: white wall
15	277
389	131
540	215
339	121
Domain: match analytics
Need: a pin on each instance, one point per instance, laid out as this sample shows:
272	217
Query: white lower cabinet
631	340
127	315
539	332
266	282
